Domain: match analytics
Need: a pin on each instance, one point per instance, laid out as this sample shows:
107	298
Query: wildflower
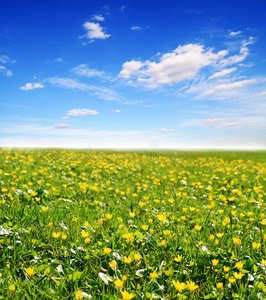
127	296
215	262
124	277
56	235
30	271
150	221
154	275
263	262
239	265
44	208
137	257
132	215
64	236
256	245
113	264
119	284
161	217
211	238
107	250
219	235
78	294
145	227
232	280
128	259
263	222
86	224
178	258
84	233
167	232
219	285
50	224
108	216
236	241
238	275
87	240
226	269
163	242
180	286
191	285
198	227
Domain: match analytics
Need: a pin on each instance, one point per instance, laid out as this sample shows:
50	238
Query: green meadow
132	225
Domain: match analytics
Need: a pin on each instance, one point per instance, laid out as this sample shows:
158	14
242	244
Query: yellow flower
86	224
178	258
226	269
127	296
132	215
219	235
109	216
119	284
163	243
44	208
30	271
232	280
263	222
256	245
191	285
78	294
64	236
124	277
84	233
87	240
180	286
215	262
145	227
161	217
239	265
56	235
128	259
107	250
238	275
113	264
236	241
137	257
263	262
211	238
154	275
167	232
198	227
219	285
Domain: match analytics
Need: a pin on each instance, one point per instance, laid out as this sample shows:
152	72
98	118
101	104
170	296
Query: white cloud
31	86
244	52
211	122
222	73
94	31
229	86
117	111
59	59
61	126
5	59
234	33
182	63
65	117
5	71
262	94
82	112
101	92
84	70
164	130
98	17
130	68
136	28
228	125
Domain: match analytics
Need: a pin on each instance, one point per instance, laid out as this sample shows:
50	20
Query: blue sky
133	74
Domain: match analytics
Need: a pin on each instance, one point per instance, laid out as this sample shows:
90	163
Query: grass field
132	225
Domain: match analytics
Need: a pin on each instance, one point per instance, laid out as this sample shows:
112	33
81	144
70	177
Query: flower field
132	225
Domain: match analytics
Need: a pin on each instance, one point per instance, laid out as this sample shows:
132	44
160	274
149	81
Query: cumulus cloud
31	86
229	86
82	112
182	63
222	73
94	31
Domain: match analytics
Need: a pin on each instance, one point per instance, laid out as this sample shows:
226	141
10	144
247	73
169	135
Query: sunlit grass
132	225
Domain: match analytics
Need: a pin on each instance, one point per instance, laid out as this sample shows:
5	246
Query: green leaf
47	271
253	297
203	262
